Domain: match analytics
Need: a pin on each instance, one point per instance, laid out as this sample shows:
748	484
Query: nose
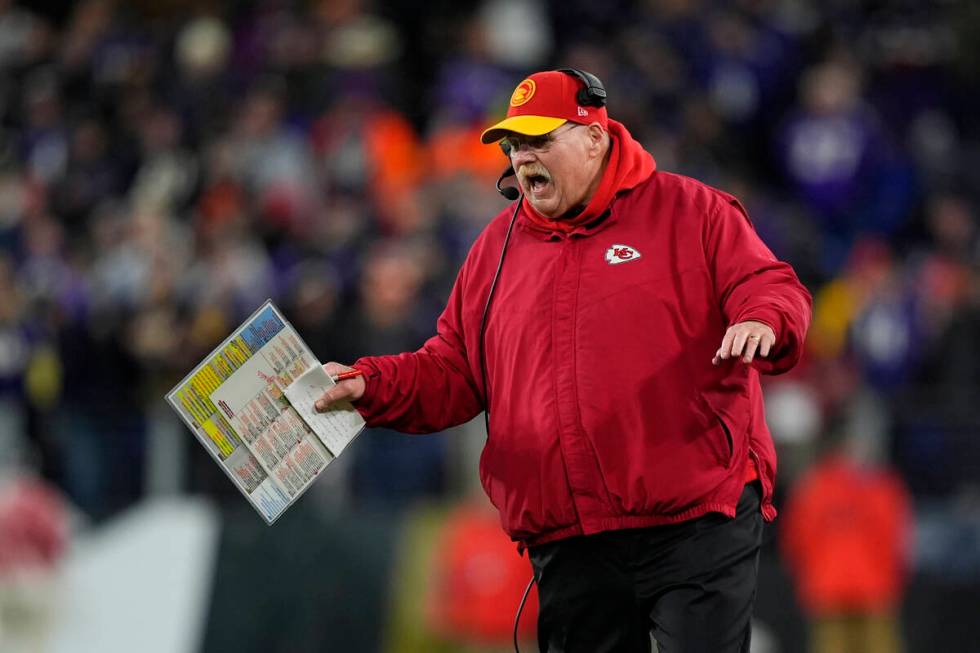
521	156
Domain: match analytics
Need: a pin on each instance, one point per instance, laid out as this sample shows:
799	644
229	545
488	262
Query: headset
509	192
592	95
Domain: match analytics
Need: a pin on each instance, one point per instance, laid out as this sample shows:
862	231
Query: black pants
692	585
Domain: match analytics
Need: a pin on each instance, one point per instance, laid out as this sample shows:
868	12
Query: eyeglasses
515	142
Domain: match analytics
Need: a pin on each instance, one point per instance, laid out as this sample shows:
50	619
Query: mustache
533	169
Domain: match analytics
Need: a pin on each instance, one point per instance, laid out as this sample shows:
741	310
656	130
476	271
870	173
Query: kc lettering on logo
621	254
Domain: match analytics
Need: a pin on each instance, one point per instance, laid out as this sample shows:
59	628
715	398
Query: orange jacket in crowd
845	537
479	581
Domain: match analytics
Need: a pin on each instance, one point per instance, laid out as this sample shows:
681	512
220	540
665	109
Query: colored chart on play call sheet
233	401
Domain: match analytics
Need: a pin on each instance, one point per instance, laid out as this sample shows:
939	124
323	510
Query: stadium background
167	166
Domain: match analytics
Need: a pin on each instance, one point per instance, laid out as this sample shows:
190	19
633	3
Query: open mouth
534	178
537	182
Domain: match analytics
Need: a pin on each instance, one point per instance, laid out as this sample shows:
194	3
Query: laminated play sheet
250	403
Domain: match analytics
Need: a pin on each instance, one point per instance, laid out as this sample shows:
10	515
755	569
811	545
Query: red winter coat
605	409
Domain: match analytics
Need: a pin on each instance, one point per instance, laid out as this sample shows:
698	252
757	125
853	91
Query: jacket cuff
367	405
773	363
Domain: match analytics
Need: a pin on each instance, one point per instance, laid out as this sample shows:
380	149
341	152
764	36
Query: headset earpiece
594	93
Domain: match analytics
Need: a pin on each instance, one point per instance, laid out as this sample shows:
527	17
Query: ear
597	139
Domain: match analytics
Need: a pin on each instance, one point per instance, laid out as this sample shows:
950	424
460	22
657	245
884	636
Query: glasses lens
536	143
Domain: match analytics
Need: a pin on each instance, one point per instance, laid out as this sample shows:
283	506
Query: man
631	317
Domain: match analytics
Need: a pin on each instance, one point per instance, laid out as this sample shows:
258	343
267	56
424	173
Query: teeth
534	177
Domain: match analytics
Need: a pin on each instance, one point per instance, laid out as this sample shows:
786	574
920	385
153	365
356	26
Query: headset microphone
508	192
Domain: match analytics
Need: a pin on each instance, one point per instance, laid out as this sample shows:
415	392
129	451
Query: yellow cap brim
524	125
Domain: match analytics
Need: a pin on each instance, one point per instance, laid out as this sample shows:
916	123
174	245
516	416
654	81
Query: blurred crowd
166	167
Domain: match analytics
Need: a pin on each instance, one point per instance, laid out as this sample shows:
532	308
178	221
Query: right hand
346	390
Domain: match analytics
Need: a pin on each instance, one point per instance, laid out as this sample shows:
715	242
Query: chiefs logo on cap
523	93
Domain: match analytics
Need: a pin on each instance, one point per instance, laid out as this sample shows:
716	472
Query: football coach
613	323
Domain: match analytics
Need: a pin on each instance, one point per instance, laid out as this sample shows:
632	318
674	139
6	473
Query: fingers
333	369
745	340
726	347
346	390
738	342
766	345
329	398
751	344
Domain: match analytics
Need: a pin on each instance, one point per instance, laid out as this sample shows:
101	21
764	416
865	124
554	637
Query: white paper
337	426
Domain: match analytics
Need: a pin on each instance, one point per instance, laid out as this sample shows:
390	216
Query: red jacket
605	409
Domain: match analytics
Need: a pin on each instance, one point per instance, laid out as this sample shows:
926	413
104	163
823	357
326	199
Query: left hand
745	339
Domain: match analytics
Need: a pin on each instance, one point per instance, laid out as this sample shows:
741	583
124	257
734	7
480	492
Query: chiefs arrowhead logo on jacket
621	254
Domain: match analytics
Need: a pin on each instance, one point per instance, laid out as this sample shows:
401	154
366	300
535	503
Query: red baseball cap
542	102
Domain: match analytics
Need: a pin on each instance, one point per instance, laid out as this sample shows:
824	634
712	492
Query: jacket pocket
728	439
720	433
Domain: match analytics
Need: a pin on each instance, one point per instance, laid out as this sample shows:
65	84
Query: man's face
556	170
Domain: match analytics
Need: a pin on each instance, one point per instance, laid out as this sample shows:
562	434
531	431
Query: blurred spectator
201	86
168	174
272	160
92	174
33	526
33	538
369	149
15	355
846	538
885	334
100	423
390	469
795	418
43	138
312	302
477	582
841	161
23	37
355	37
